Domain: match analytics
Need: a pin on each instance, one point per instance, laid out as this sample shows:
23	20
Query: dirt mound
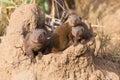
75	63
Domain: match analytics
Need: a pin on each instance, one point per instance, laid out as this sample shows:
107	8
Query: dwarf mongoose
82	33
35	43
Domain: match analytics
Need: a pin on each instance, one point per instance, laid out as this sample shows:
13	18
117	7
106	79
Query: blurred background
104	15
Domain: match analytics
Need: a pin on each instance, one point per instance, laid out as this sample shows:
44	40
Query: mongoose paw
40	55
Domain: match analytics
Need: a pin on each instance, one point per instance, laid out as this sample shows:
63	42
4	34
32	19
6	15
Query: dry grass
106	48
7	7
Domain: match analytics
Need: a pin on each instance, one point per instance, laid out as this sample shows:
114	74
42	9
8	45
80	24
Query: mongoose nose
72	23
36	41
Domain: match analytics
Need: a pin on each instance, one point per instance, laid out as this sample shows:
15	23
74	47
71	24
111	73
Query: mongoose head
74	19
78	31
38	36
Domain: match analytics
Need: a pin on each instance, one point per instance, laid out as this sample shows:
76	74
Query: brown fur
61	37
35	43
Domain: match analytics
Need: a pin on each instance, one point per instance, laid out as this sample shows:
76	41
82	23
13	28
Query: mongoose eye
41	36
82	29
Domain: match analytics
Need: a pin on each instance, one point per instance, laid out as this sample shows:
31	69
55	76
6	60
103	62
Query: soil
74	63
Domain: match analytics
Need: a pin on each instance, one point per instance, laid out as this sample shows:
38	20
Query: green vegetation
8	6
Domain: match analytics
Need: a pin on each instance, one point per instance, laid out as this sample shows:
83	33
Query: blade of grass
8	2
